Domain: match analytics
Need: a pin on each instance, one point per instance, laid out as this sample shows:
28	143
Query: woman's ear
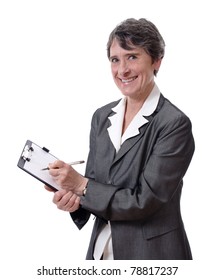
157	64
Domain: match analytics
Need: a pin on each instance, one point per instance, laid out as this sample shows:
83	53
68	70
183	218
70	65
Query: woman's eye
114	60
131	57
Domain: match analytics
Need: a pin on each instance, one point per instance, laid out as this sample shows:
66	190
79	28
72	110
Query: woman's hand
67	177
65	200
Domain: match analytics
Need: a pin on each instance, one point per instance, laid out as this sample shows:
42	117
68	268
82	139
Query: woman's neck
133	106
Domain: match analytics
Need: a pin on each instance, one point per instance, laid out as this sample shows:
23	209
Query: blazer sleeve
158	181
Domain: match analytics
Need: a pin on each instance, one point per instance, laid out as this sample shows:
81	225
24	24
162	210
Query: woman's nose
123	68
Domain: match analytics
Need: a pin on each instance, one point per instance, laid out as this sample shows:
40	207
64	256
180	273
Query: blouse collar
139	120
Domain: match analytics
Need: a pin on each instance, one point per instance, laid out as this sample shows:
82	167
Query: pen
71	163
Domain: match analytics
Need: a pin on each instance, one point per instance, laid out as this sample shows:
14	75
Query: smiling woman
133	72
140	149
140	33
135	50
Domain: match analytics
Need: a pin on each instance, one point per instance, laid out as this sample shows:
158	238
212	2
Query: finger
58	196
59	168
56	164
54	172
74	200
62	197
49	188
67	201
75	206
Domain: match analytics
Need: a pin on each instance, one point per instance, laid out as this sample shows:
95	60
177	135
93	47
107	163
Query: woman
140	149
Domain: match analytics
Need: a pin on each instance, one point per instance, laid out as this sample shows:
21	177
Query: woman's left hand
66	200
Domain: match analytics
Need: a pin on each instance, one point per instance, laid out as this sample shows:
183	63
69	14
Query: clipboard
33	159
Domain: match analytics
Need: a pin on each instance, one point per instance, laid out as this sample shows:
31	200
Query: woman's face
132	70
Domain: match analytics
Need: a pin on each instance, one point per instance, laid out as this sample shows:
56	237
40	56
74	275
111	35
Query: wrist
83	188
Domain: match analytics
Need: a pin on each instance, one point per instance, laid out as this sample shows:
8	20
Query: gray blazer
138	189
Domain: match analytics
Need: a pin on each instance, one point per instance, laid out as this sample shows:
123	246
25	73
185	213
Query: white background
54	73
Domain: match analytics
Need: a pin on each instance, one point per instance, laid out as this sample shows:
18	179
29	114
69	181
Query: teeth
128	80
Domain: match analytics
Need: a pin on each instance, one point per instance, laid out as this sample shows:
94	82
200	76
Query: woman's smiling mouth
126	81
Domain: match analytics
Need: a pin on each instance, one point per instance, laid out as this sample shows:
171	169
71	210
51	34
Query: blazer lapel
129	143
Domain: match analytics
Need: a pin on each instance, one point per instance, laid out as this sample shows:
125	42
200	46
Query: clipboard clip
27	153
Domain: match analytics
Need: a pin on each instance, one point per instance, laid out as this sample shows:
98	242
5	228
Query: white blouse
103	244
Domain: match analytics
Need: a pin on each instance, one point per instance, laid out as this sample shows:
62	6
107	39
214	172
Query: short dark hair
139	33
